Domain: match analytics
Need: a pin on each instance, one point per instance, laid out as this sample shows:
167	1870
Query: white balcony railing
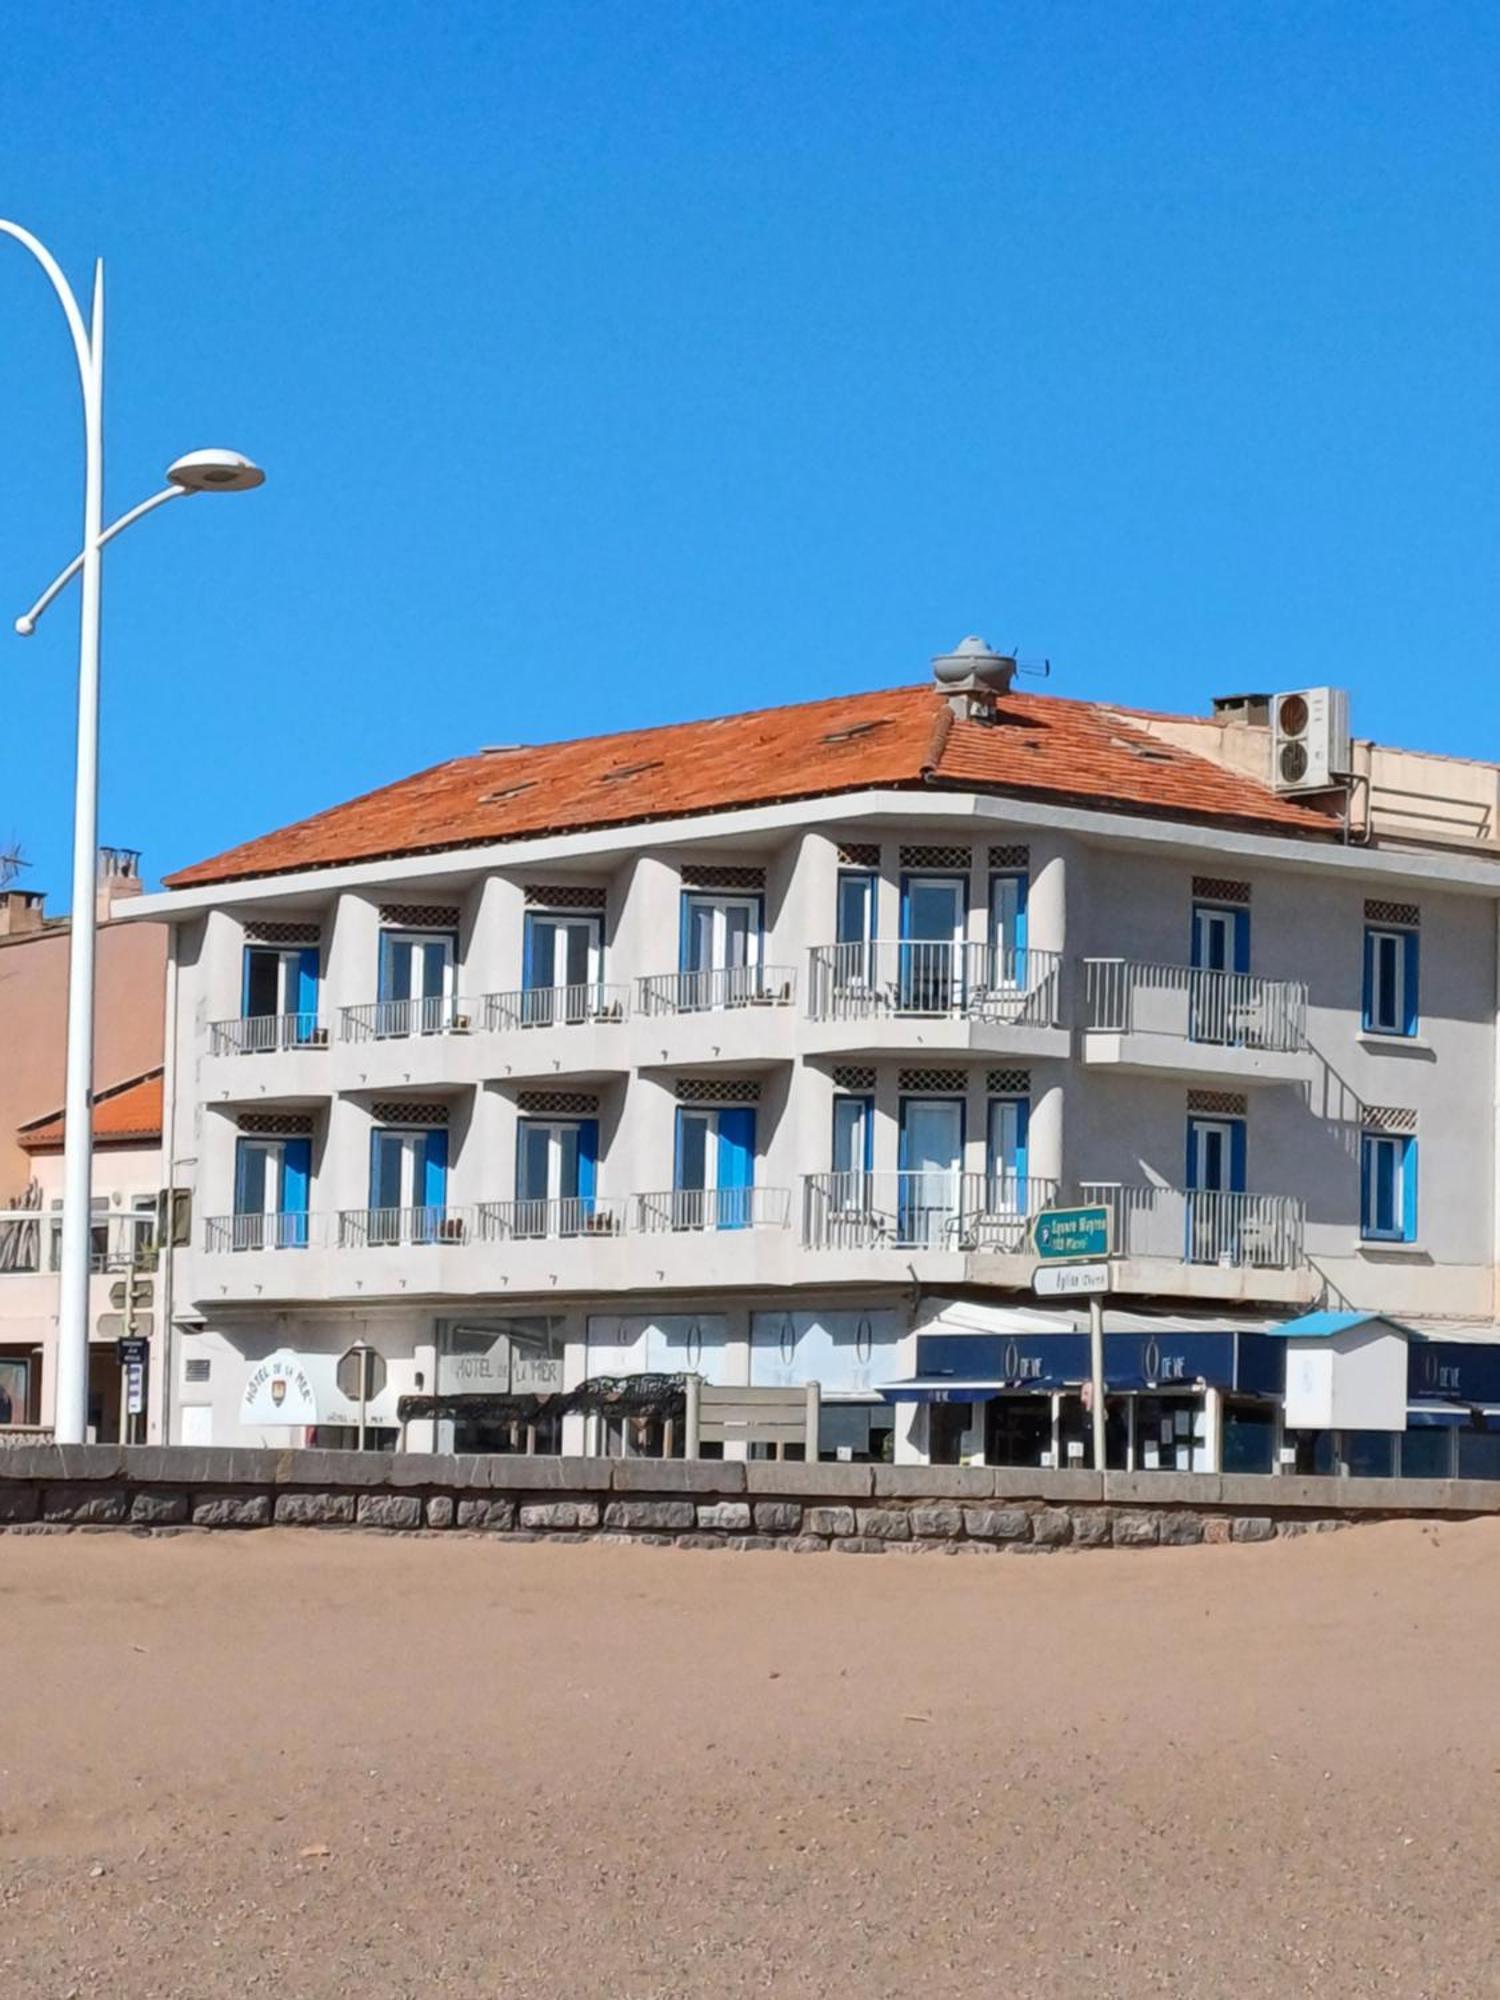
930	1209
713	992
578	1215
1232	1009
279	1231
935	980
384	1020
31	1241
555	1006
1199	1226
713	1208
262	1034
392	1228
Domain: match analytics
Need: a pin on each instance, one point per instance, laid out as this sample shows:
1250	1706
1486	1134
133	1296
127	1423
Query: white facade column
351	956
1045	1135
493	948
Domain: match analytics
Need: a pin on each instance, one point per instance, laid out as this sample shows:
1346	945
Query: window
408	1184
853	1147
714	1179
1215	1177
270	1194
1388	1187
563	964
1220	938
719	950
1007	940
1391	981
933	914
855	924
1009	1124
416	982
556	1175
281	985
98	1235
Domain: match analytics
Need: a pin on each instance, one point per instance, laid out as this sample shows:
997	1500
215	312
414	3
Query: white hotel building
747	1048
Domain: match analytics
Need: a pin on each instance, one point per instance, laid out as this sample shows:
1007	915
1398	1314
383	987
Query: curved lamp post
199	472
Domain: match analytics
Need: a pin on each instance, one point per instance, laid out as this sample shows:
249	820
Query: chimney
118	876
21	911
971	676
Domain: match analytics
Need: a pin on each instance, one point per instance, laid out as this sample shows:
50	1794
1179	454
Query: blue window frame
1220	940
282	983
1216	1155
855	917
1392	980
1388	1187
408	1177
714	1170
853	1135
557	1161
1007	1154
271	1182
1010	893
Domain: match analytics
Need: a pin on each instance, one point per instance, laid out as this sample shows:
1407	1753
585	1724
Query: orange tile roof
1038	746
127	1113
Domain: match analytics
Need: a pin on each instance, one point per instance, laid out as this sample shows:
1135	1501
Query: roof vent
972	675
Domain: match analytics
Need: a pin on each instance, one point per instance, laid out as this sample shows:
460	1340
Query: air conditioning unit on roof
1309	739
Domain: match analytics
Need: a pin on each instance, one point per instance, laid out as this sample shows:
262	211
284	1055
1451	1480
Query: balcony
719	991
555	1007
924	995
1183	1021
708	1209
266	1034
1205	1243
972	1214
402	1228
390	1020
569	1216
233	1234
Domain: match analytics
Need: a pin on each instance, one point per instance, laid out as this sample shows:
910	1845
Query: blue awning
1436	1416
939	1389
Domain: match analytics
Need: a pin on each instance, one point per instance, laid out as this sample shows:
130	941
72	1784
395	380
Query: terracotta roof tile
1038	747
126	1112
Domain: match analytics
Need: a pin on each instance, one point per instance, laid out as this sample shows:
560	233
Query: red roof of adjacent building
1037	746
126	1114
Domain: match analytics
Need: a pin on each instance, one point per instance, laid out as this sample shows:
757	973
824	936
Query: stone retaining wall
704	1504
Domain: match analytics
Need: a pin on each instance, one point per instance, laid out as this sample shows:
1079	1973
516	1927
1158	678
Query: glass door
1007	940
408	1185
721	950
270	1194
564	961
932	932
416	982
932	1139
1220	948
715	1173
555	1175
1215	1176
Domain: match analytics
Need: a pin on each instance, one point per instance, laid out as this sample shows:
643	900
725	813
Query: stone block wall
703	1504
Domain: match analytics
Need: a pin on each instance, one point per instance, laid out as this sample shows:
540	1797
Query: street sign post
1084	1239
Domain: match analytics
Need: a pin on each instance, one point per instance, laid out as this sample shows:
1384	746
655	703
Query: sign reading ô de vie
1072	1235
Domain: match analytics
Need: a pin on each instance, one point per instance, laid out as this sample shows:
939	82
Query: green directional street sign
1072	1235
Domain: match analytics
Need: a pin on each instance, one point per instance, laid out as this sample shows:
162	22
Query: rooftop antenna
12	861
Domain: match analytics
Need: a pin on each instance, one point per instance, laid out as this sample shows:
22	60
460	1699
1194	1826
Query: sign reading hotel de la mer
279	1391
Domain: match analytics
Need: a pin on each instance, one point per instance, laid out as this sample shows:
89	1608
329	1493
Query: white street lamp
199	472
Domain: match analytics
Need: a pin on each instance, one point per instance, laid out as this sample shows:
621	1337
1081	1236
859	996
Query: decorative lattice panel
399	1112
1015	856
563	896
1388	1118
859	854
1220	889
932	1079
257	933
1218	1103
557	1103
419	916
1379	912
719	875
937	857
276	1124
847	1078
1008	1083
717	1090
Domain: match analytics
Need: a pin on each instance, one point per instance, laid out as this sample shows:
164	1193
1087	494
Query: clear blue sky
617	363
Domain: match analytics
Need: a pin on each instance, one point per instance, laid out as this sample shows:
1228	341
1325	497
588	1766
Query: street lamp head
215	472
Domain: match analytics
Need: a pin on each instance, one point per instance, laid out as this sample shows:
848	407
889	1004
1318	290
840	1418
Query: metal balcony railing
555	1006
928	1209
290	1230
936	981
713	992
1231	1009
261	1034
576	1215
383	1020
31	1241
1202	1226
713	1208
390	1228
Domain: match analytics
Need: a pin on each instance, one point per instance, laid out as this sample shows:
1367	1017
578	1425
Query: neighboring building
750	1048
131	980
